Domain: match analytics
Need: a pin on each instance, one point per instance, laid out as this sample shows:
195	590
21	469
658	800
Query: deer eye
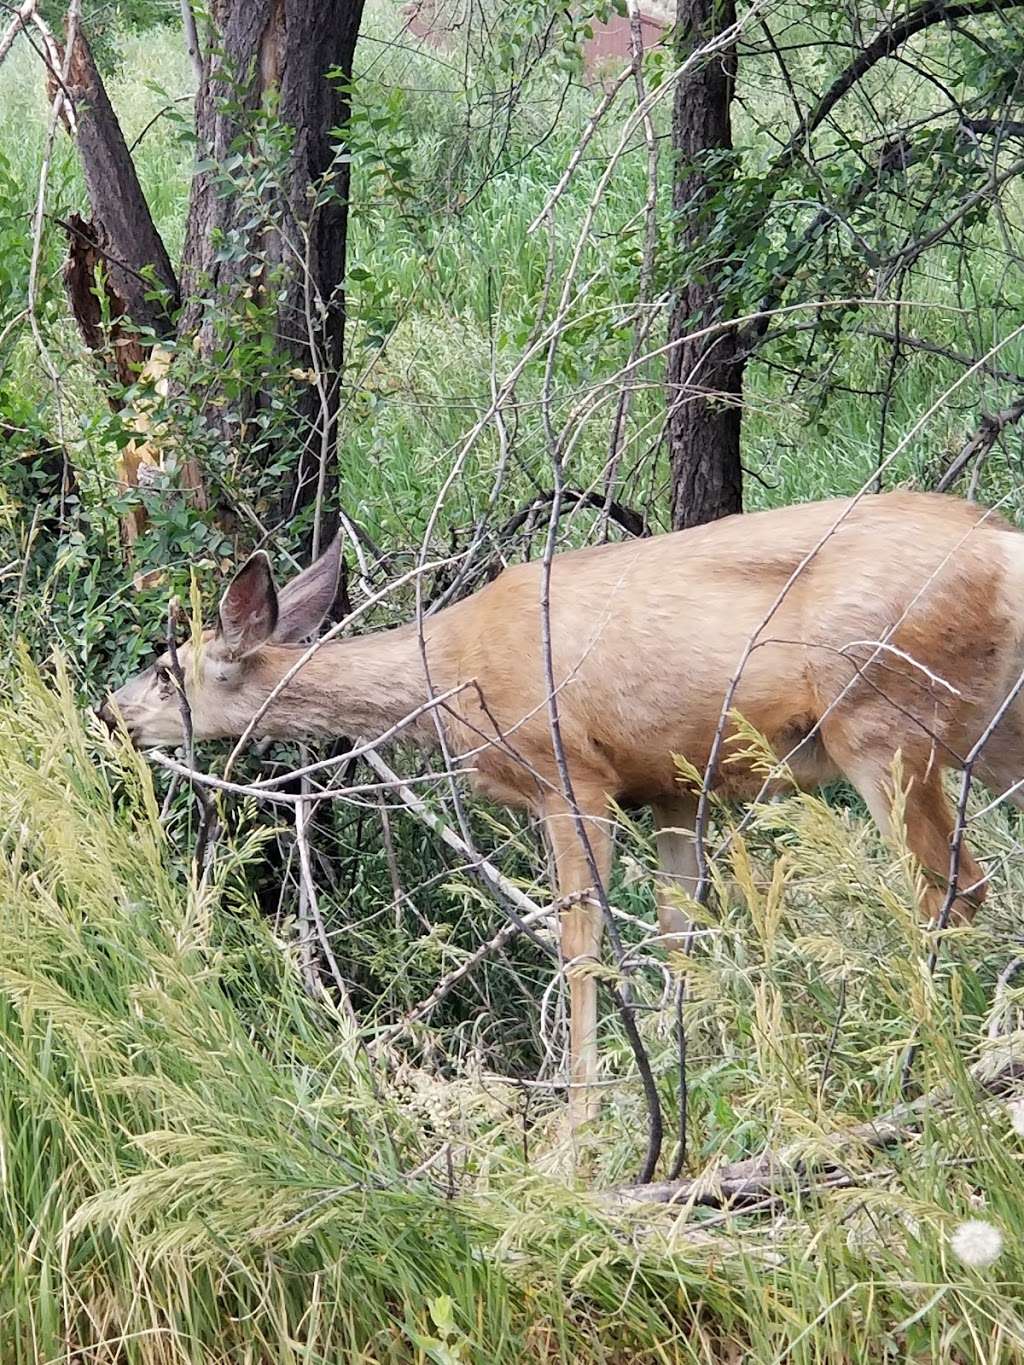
163	677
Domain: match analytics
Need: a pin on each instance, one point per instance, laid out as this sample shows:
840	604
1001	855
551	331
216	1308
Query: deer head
238	663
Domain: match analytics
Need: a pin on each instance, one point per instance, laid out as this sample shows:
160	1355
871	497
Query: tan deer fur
646	637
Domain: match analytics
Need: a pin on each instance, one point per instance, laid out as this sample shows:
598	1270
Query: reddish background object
437	23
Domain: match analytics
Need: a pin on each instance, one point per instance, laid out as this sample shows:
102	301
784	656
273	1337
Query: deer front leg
581	929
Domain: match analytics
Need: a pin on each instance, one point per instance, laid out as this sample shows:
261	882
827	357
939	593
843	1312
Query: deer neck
356	687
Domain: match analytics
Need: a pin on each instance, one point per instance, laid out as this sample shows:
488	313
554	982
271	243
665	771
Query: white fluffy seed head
1015	1109
977	1243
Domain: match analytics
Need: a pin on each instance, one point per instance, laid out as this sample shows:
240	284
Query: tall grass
197	1163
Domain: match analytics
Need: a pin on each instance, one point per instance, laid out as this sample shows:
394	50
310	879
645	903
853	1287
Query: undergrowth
200	1164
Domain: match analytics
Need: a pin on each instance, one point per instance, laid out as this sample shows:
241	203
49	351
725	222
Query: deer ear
248	609
307	599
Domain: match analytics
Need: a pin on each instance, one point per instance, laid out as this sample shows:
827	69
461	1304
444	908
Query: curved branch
881	46
21	17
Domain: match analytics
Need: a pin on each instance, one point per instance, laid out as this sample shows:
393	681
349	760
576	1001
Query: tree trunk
265	73
272	56
705	375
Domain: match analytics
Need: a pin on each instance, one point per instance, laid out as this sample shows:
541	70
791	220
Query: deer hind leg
581	935
929	823
674	820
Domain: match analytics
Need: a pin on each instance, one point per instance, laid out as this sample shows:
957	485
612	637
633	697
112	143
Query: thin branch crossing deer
902	631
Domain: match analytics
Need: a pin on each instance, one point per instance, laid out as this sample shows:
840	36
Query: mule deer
903	631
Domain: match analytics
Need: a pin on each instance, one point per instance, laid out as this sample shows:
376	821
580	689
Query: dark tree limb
449	586
705	377
632	522
990	428
986	127
915	343
883	45
898	154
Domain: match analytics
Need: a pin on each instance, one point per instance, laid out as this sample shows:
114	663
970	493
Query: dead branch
195	53
772	1174
516	904
447	984
621	992
990	428
471	573
20	21
909	342
310	919
631	522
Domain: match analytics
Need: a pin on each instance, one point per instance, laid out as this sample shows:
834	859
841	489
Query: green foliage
14	241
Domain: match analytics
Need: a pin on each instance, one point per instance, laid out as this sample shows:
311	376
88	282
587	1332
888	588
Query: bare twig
274	797
447	983
309	912
515	903
195	55
17	24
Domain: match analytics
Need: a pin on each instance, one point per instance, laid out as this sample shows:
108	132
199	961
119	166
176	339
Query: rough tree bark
261	55
264	52
703	432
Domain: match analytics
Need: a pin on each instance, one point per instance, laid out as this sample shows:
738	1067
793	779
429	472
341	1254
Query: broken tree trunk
121	241
118	275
